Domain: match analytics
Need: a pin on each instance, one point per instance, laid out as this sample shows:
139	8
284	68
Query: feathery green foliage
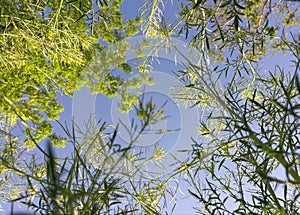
45	47
246	161
247	158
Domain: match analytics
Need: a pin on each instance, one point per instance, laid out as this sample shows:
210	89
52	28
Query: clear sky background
185	119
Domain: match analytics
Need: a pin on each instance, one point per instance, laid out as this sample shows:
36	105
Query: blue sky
181	117
105	107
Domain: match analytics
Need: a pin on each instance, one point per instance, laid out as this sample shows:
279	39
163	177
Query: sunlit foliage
45	47
246	160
